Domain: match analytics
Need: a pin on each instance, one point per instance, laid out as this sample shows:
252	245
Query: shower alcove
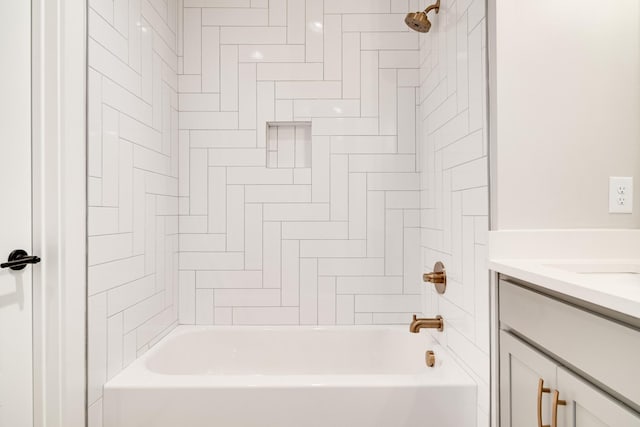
282	163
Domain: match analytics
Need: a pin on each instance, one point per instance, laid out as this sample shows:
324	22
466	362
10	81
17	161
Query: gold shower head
419	21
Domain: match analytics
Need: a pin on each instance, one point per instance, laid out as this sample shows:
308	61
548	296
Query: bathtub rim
137	375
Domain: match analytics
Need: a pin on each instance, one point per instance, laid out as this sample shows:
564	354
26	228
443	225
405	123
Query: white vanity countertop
597	266
618	292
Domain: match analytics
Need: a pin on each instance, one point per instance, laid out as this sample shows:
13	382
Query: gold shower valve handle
438	277
435	277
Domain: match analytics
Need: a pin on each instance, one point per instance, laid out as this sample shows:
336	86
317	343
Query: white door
16	396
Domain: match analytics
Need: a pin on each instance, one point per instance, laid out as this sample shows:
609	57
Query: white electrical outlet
620	194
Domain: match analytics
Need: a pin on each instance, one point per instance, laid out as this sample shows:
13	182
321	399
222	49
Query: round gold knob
430	358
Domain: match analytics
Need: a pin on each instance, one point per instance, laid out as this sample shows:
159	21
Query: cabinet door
521	368
587	406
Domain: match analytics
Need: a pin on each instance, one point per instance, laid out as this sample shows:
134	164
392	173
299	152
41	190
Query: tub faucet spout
417	324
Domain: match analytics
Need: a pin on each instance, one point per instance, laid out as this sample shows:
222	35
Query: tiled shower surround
454	198
335	241
258	162
133	184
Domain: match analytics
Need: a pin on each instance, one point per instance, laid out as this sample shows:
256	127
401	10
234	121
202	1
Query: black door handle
19	259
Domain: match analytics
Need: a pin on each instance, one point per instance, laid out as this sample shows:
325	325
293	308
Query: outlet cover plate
621	195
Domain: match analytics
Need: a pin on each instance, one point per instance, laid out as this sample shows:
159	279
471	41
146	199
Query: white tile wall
454	197
324	243
133	197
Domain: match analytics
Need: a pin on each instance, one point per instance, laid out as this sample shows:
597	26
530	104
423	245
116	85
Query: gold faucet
417	324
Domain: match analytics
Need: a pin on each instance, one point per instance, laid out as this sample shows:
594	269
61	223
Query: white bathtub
291	377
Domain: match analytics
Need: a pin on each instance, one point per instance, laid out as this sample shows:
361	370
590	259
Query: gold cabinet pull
541	389
556	402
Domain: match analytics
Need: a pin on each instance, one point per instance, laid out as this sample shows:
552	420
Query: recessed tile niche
289	145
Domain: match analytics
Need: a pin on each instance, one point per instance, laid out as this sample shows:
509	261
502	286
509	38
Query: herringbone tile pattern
330	240
133	183
454	197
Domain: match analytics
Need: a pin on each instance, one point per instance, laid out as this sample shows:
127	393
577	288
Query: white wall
337	242
566	112
133	184
454	197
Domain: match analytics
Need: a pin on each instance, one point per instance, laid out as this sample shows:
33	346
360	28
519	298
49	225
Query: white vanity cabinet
563	366
528	382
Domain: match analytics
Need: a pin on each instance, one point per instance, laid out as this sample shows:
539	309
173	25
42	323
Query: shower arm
435	6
